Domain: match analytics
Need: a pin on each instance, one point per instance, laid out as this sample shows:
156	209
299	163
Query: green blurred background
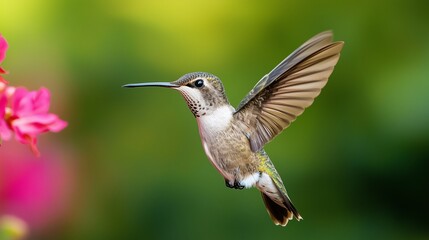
355	164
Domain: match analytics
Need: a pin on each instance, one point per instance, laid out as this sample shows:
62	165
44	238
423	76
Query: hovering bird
233	139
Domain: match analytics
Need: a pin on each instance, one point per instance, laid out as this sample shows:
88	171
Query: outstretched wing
283	94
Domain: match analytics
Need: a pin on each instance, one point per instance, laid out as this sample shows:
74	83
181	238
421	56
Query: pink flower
4	132
37	192
3	48
26	114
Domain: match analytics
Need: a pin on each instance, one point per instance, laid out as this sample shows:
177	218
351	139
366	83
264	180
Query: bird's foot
236	184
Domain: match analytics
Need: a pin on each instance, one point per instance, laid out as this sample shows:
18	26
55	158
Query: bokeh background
130	164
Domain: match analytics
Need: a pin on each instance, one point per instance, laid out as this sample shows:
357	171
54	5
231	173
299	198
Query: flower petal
21	102
3	102
41	101
39	123
34	124
5	132
27	103
57	125
3	48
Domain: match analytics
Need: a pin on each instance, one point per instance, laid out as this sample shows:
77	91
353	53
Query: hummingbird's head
202	91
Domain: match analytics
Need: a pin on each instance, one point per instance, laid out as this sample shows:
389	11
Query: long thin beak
151	84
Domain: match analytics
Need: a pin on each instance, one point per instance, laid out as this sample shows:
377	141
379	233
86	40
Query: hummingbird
233	138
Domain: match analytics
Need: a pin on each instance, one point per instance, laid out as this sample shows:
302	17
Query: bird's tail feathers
278	204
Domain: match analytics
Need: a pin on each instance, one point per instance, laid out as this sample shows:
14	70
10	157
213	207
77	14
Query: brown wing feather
309	47
284	96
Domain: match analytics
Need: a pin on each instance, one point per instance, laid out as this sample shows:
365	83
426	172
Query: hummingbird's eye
199	83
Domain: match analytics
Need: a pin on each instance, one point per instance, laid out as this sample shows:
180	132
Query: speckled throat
204	100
